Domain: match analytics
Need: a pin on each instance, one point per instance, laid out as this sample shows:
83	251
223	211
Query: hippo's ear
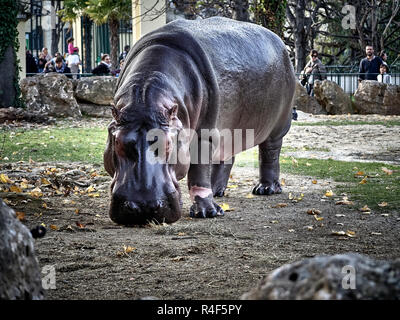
115	113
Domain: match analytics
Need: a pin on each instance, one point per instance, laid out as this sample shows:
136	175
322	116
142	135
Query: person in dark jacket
369	66
61	67
31	66
103	69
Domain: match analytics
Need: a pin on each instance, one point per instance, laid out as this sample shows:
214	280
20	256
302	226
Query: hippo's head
145	184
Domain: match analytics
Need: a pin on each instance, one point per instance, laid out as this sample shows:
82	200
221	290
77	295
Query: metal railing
349	81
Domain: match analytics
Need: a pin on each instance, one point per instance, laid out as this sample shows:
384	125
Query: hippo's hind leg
219	177
269	152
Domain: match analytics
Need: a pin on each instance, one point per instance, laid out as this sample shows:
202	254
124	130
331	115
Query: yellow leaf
338	233
308	164
44	205
290	196
329	193
283	182
181	234
5	179
90	189
318	218
250	196
53	227
359	173
23	185
129	249
94	195
232	186
274	221
36	193
314	181
76	211
45	181
383	204
16	189
365	209
363	181
350	233
225	207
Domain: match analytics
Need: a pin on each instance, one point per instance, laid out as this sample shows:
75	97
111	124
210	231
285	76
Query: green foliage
9	37
101	11
270	14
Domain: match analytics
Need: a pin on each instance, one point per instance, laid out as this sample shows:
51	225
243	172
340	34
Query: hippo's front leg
200	189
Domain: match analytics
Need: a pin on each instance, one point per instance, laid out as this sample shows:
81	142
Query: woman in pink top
71	47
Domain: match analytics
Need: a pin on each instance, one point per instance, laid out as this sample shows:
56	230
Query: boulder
373	97
303	102
96	90
94	110
50	93
332	98
339	277
20	276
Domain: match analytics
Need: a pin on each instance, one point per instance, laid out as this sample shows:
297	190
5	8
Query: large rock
97	90
373	97
20	277
303	102
329	278
332	98
50	93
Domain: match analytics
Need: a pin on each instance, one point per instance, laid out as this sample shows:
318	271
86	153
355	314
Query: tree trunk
300	39
8	73
114	40
87	50
55	37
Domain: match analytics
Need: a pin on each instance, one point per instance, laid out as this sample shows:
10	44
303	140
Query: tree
111	12
9	45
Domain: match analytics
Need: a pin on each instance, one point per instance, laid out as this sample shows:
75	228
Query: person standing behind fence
103	69
314	70
384	77
369	66
73	62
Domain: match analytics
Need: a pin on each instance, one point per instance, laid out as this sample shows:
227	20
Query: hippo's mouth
128	212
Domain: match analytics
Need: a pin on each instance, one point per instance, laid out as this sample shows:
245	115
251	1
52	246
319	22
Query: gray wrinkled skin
215	73
321	278
20	276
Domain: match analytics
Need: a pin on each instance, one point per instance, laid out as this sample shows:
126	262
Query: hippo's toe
205	208
267	189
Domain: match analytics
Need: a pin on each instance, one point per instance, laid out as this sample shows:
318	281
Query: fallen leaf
249	196
283	182
340	215
329	193
44	205
313	211
94	195
385	215
232	186
226	207
290	196
350	233
274	221
338	233
181	234
44	181
364	180
314	181
365	209
178	258
376	233
280	205
359	173
383	204
15	188
128	249
291	230
90	189
20	215
318	218
36	193
5	179
80	225
310	228
53	227
76	211
387	171
295	162
308	164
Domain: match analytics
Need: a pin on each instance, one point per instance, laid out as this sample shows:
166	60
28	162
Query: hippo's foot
219	191
267	189
205	208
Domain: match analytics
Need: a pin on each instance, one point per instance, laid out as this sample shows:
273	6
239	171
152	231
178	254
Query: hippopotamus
212	75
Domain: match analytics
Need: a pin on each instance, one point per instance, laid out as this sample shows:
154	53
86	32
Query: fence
349	81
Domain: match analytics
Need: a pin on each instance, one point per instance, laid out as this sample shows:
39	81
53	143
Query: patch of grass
389	123
379	187
53	144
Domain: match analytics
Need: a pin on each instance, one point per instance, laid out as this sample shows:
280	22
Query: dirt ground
201	259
